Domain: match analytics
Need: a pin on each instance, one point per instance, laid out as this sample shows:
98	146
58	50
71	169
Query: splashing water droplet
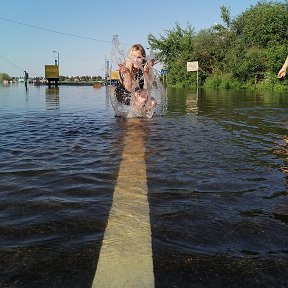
140	101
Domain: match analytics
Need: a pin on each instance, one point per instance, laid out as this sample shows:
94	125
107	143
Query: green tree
175	50
260	37
225	15
243	49
263	25
4	76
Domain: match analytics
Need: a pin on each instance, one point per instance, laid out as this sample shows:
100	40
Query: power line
11	63
57	32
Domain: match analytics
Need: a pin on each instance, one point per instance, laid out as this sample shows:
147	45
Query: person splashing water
136	77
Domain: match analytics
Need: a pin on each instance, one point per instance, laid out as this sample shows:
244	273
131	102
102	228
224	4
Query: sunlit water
217	193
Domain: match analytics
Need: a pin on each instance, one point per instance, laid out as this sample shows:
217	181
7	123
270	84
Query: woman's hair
135	47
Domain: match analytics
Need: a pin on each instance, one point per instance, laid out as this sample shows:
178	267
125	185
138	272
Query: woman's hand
281	73
148	64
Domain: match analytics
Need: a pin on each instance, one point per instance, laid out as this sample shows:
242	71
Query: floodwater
216	182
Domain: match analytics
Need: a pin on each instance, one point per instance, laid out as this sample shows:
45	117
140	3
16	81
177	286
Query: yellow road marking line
126	254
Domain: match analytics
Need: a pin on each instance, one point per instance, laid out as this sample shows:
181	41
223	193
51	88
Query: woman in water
135	78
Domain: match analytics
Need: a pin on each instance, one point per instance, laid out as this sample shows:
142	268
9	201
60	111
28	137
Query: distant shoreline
70	84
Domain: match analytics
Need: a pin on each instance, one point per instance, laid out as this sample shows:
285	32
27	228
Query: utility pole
58	57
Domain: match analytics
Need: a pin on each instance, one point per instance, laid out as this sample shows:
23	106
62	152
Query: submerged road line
126	254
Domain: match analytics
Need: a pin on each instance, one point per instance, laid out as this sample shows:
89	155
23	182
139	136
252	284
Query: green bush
4	76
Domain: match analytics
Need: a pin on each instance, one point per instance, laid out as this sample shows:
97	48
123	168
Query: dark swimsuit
122	94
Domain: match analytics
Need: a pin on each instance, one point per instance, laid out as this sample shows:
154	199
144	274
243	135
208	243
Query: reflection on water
192	102
210	100
217	193
52	98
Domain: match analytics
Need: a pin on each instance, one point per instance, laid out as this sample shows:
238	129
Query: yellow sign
51	71
114	75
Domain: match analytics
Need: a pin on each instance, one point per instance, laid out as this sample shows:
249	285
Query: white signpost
193	67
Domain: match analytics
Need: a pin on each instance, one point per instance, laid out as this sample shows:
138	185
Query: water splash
141	100
117	54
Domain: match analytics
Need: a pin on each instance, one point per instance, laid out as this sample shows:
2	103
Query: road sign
192	66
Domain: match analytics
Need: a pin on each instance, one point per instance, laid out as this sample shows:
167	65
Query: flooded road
216	194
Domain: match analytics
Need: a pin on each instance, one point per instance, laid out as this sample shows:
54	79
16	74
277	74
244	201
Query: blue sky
25	48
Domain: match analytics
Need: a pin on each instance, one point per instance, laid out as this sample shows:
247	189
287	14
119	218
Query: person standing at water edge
135	78
282	71
25	78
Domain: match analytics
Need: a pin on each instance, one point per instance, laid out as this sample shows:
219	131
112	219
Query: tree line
5	76
246	51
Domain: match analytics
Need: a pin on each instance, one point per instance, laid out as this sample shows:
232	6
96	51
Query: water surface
217	194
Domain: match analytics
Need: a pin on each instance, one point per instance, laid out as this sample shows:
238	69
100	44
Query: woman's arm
125	77
148	78
282	71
